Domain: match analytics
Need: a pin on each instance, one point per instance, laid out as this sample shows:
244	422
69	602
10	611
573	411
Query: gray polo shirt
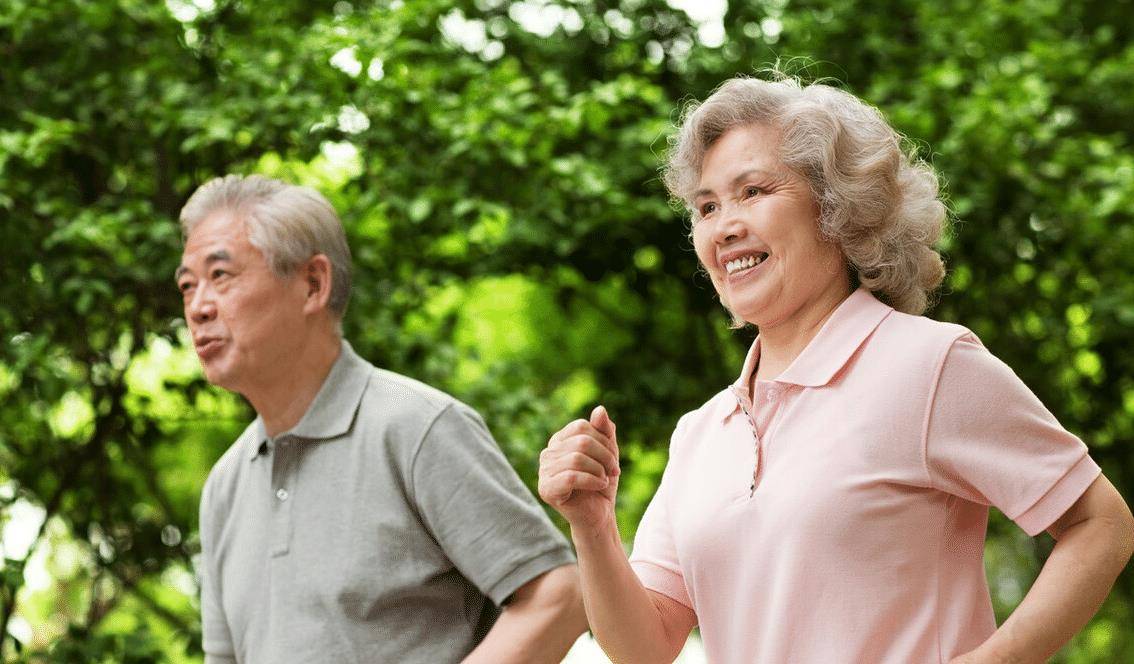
385	527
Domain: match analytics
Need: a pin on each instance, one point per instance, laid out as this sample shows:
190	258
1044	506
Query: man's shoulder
406	404
403	391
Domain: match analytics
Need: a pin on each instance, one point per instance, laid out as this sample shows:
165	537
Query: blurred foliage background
495	164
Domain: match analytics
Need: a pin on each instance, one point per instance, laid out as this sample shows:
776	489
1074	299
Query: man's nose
201	308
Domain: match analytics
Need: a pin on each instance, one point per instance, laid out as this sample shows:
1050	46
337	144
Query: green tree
495	164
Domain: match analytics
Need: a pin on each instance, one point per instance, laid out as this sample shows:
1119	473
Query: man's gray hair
288	224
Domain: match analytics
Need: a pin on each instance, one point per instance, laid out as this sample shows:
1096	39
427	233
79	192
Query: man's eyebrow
736	180
218	255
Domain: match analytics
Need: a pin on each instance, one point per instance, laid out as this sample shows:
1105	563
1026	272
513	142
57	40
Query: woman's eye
184	286
708	208
752	190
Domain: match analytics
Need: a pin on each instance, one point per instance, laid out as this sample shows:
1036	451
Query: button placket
756	443
283	480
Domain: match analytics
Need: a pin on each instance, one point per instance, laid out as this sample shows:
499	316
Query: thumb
600	420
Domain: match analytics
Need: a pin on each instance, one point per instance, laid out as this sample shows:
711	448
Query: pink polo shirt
838	514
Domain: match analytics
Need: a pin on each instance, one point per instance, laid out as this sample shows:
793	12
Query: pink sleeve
989	440
654	557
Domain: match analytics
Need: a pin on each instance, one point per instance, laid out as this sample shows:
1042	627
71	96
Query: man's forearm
541	623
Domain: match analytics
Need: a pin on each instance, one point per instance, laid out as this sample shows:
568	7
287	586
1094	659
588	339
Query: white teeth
744	263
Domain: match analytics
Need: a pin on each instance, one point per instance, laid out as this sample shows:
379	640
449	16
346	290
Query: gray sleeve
478	510
216	639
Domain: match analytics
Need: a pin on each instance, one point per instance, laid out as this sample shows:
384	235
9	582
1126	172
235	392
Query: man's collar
332	412
826	354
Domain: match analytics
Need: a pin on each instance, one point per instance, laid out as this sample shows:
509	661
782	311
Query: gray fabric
401	531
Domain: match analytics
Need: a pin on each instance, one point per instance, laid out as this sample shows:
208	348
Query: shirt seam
943	513
935	383
412	483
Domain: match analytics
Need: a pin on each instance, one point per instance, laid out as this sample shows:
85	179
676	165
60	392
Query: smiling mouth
745	262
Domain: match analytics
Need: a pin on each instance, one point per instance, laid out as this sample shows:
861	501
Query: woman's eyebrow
744	175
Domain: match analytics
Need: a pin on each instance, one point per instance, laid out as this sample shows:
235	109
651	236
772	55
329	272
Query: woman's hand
578	471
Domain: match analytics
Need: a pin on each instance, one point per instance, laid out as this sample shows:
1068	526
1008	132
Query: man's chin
216	375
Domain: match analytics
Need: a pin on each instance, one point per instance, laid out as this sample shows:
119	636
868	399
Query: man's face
246	322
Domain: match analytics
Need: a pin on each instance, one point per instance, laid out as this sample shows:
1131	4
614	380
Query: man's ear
317	276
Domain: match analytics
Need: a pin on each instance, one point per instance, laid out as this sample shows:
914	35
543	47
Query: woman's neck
782	342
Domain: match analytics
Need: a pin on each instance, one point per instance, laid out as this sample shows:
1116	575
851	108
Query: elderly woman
830	505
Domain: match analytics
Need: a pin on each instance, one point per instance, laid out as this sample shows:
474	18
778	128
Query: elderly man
362	516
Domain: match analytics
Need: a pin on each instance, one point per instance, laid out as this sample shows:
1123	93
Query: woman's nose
730	228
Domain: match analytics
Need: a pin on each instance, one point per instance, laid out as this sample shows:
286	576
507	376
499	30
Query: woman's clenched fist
578	471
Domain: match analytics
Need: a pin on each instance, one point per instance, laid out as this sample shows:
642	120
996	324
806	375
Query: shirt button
282	494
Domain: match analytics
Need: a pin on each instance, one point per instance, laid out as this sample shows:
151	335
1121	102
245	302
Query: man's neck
282	401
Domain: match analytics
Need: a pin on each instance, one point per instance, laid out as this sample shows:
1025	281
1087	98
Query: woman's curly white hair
878	202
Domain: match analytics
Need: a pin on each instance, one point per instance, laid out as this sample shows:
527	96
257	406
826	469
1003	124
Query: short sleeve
990	440
654	556
216	640
482	516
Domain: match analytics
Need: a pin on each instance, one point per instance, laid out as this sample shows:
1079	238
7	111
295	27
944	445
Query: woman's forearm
1071	587
622	615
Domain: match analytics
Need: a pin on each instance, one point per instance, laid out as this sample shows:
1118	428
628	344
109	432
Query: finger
574	427
579	481
578	461
582	427
601	422
558	489
578	428
591	446
600	419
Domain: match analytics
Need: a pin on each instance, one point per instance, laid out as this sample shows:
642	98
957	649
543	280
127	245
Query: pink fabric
880	449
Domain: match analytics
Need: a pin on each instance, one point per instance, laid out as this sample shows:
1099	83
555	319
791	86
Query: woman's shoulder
925	325
902	334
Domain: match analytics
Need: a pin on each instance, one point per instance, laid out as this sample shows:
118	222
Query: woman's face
756	231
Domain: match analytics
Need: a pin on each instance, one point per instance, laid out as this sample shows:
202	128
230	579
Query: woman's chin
749	309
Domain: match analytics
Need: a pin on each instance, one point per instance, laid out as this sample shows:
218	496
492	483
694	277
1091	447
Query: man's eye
217	273
752	190
184	286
